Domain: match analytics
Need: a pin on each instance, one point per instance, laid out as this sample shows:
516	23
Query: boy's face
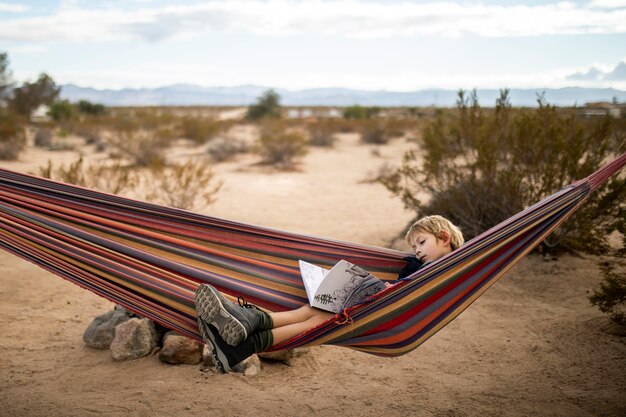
427	247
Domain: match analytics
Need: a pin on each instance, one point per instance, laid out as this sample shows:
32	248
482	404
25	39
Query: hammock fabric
150	259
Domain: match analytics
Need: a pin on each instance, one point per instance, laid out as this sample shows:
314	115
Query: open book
342	286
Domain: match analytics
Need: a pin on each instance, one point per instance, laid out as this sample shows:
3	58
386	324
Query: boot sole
219	359
213	312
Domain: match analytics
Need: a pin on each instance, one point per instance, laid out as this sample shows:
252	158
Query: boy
236	332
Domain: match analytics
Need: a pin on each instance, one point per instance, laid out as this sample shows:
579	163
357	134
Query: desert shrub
199	130
610	297
266	106
112	178
223	149
357	112
143	148
62	111
12	137
187	186
280	146
321	133
374	132
481	166
43	138
92	109
91	134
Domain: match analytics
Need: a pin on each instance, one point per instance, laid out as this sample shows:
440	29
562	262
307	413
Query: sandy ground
531	346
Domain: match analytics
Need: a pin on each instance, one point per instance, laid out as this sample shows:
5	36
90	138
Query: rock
178	349
284	355
207	358
249	367
100	333
133	339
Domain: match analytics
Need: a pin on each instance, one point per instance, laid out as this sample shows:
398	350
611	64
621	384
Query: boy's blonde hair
435	225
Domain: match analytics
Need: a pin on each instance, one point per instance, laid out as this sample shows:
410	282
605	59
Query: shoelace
243	303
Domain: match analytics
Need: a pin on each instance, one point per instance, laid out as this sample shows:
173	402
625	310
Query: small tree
267	106
31	95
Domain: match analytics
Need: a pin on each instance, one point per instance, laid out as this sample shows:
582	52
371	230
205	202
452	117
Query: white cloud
349	18
608	4
12	8
29	49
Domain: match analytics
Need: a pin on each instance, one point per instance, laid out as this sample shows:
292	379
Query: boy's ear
445	237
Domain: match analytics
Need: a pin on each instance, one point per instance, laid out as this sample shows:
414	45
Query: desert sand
532	345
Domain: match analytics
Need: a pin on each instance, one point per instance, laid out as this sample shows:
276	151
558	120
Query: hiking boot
233	322
226	356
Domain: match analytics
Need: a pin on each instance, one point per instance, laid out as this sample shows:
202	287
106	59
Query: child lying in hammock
236	332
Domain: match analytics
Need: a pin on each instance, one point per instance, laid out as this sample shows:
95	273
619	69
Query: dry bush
200	130
374	131
223	149
321	133
281	146
12	136
143	148
109	178
91	134
186	186
482	166
43	138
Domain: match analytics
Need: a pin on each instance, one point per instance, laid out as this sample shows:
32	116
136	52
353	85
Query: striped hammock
150	259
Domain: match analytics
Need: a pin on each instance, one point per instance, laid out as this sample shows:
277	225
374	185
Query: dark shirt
413	265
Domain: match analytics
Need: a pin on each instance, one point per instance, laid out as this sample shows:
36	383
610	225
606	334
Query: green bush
92	109
359	112
62	111
267	106
280	146
481	166
610	297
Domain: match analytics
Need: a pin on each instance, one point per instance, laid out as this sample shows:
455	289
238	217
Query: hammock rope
150	259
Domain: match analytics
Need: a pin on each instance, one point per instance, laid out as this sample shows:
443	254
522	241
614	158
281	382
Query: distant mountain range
189	95
594	74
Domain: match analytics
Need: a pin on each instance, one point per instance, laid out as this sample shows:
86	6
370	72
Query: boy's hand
387	285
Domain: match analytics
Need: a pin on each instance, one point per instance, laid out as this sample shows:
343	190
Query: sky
402	45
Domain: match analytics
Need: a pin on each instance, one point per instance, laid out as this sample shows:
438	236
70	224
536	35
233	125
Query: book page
333	290
312	276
